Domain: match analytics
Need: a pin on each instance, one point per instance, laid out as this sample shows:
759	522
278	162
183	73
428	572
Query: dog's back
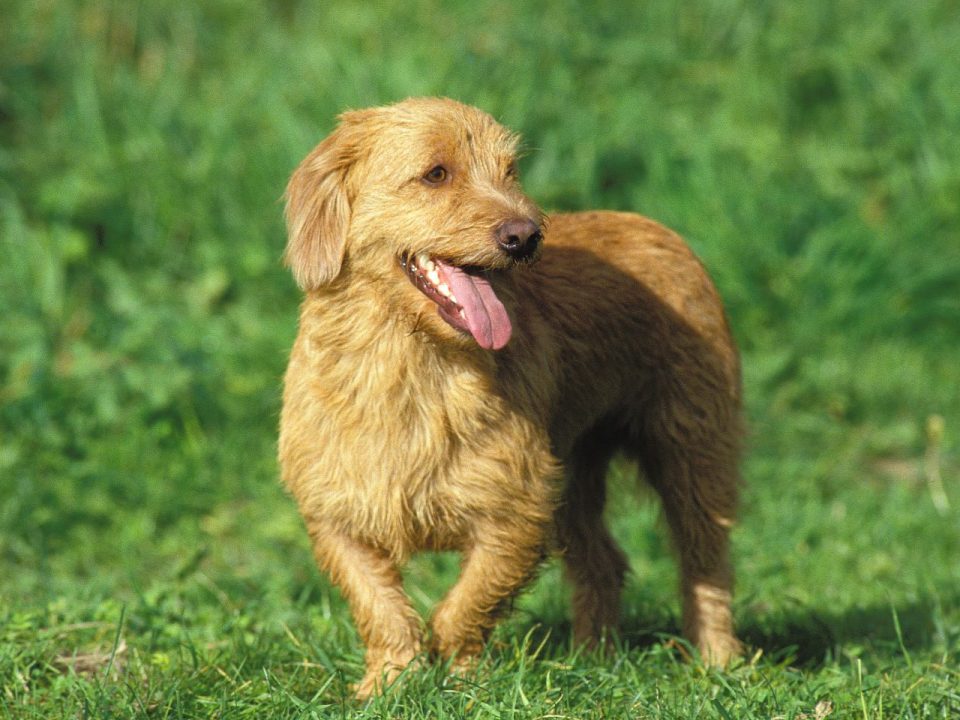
623	301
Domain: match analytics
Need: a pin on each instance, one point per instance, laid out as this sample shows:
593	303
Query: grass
151	565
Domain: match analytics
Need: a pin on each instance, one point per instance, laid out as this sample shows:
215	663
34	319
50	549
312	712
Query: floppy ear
318	209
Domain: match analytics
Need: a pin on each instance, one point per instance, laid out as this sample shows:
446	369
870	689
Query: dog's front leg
494	570
369	580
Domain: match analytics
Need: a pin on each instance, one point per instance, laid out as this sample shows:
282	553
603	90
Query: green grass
150	564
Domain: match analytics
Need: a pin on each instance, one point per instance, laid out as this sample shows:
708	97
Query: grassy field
150	563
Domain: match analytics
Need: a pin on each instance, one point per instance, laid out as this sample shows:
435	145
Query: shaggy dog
465	370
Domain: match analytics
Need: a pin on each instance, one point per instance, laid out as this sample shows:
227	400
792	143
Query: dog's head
426	188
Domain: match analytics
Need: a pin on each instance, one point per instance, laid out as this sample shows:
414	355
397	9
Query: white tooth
430	265
433	276
423	259
444	289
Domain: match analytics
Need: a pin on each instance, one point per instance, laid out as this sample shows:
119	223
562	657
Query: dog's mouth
463	296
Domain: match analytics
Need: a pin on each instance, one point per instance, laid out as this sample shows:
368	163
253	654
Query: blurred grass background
807	151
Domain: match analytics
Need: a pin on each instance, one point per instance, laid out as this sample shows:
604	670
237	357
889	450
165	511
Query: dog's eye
436	176
512	170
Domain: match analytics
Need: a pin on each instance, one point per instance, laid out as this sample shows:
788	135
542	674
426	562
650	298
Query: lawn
150	563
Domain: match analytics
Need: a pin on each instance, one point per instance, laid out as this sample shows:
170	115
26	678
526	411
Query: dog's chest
406	449
395	441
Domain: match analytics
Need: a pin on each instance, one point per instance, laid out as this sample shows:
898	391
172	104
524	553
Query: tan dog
446	393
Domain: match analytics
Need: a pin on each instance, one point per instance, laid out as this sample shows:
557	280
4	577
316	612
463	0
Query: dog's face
425	189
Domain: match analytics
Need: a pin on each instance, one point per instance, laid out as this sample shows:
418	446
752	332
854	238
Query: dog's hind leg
697	481
390	628
594	563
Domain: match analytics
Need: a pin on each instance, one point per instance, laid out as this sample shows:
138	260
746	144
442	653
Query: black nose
519	238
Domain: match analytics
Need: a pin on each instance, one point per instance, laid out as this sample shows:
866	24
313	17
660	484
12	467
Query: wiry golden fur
400	433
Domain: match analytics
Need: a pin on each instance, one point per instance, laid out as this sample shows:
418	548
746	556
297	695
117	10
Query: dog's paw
719	650
383	673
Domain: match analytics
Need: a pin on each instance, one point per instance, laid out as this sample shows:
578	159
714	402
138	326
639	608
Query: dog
466	368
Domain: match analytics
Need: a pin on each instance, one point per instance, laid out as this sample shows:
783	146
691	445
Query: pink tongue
486	318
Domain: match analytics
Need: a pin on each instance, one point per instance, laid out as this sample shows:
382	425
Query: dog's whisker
416	324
